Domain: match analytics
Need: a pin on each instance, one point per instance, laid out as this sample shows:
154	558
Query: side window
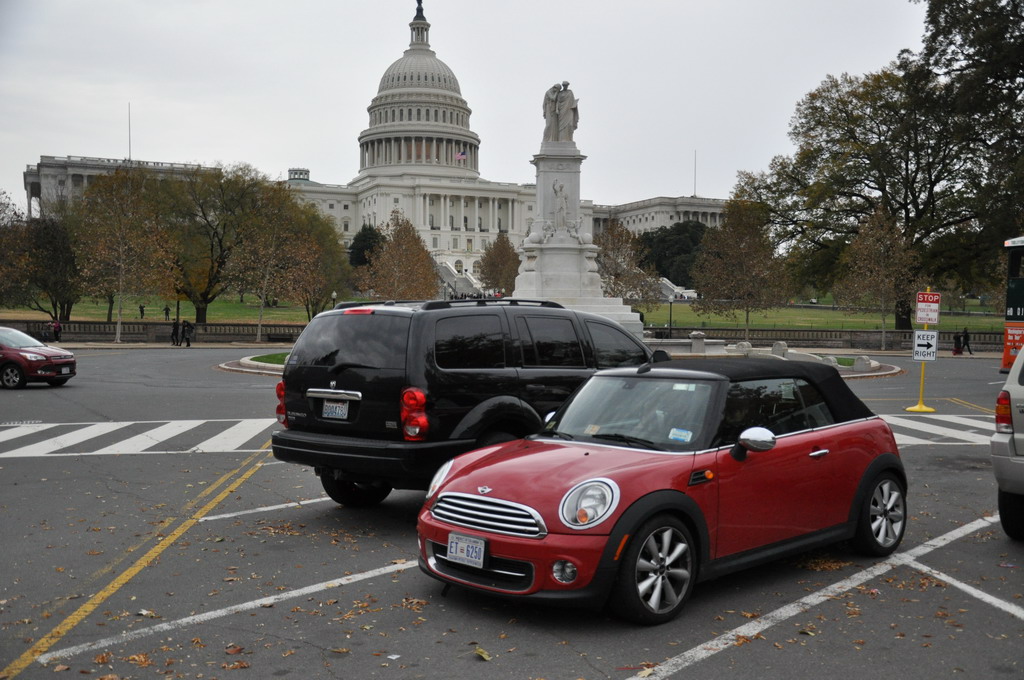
614	347
783	405
555	343
471	341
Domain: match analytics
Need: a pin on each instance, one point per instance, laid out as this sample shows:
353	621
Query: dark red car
24	359
651	479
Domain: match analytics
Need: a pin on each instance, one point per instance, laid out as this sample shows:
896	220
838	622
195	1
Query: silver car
1008	451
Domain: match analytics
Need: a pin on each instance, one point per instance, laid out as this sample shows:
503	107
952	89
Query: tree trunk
200	311
110	308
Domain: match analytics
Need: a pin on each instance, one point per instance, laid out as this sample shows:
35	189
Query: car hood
44	350
538	473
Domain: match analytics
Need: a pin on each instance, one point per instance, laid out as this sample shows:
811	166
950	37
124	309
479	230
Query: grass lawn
276	358
230	310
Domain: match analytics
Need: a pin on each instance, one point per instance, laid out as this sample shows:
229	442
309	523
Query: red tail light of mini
1004	419
415	424
282	414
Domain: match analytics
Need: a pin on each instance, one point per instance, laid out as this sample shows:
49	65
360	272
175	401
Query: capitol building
419	155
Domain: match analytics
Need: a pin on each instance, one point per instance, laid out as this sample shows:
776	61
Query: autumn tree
41	263
400	267
619	254
13	261
499	265
120	237
208	211
738	269
878	269
319	266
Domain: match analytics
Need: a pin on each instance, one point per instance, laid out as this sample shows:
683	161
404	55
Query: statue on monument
561	113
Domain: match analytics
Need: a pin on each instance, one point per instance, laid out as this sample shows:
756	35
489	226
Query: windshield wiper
341	366
628	439
552	433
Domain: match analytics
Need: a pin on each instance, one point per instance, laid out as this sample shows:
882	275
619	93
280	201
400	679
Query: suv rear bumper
400	464
1006	464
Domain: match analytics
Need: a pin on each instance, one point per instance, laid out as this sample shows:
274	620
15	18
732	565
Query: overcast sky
286	84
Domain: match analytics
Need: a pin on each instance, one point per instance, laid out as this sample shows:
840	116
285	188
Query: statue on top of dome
561	113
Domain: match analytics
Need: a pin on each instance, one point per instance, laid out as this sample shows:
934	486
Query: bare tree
618	263
878	268
738	268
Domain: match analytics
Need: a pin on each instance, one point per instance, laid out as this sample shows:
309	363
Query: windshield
353	340
12	338
640	412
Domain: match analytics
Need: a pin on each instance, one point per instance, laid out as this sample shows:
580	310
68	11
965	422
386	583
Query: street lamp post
670	316
334	297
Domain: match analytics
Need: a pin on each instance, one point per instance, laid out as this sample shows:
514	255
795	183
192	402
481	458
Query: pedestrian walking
174	333
142	311
167	313
965	341
186	333
57	328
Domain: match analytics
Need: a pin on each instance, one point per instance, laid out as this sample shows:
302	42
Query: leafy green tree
738	269
885	141
673	250
618	263
14	261
366	240
878	270
400	267
499	265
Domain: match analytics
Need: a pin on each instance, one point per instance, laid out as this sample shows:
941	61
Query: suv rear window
374	340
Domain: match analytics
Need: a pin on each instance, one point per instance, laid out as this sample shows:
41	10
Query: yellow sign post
926	342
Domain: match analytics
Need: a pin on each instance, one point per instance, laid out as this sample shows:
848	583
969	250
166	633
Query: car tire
354	494
12	377
657	573
1011	514
882	518
57	382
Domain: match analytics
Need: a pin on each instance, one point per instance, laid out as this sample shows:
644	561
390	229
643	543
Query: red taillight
413	413
358	310
1004	420
282	414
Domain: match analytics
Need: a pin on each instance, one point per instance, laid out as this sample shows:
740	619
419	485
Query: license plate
335	409
466	550
65	369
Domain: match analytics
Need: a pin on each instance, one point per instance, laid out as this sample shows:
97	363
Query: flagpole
129	132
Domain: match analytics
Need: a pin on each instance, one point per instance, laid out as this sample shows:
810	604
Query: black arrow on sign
927	345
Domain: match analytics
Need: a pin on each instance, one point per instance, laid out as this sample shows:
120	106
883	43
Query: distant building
418	155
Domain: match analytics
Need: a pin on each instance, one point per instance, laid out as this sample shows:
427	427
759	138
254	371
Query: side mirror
660	355
752	439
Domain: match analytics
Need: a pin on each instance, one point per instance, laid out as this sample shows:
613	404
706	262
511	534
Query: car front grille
499	573
489	514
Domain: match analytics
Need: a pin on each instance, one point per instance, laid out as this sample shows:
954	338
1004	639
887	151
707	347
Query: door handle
819	453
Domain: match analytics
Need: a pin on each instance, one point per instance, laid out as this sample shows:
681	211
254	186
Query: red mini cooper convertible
649	480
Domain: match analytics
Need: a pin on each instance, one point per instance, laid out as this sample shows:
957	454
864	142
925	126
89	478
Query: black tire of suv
354	494
1011	514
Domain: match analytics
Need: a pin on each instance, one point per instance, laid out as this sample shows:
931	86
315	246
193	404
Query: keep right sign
926	345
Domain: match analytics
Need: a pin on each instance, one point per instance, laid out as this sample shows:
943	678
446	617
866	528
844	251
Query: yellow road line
65	626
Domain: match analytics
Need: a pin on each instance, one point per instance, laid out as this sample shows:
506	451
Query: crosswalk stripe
147	440
987	423
932	428
22	430
63	441
907	440
236	435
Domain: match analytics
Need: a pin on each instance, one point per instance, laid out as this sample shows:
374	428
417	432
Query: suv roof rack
470	302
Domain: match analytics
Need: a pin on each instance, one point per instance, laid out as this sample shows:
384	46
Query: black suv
378	396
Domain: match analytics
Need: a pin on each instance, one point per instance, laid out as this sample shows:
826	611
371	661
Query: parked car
378	396
24	359
651	479
1007	449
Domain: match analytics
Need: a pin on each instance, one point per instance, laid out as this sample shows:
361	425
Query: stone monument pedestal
559	258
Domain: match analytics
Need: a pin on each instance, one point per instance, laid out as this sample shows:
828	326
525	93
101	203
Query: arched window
476	267
430	221
458	263
401	114
451	221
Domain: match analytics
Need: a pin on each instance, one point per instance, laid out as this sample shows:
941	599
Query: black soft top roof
843	403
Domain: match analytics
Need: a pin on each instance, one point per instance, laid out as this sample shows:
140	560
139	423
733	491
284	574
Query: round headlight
588	504
439	478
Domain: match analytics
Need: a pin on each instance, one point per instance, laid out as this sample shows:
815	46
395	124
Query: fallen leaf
482	653
61	667
234	649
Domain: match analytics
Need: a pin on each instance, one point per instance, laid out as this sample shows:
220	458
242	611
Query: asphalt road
200	556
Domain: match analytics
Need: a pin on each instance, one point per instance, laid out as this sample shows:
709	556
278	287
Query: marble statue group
561	113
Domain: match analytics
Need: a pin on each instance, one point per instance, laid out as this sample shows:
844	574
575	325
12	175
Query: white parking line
130	635
267	508
728	640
